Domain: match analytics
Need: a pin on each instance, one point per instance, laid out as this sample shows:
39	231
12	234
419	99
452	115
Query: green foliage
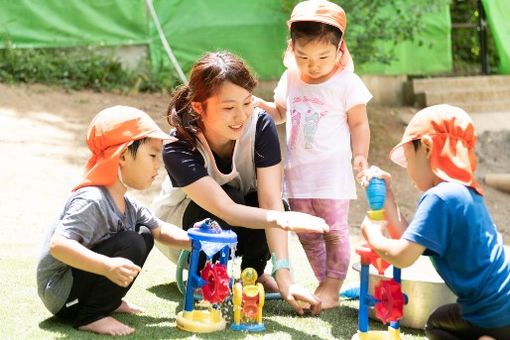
76	68
371	21
466	41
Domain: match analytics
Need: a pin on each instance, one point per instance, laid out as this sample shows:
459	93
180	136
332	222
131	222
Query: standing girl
325	104
226	165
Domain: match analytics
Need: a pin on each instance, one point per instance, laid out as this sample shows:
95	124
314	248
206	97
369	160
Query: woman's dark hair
206	77
311	30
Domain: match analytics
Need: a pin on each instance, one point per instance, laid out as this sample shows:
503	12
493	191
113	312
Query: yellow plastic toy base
376	215
201	321
390	334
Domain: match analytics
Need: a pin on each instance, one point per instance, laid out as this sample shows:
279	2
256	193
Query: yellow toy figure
248	303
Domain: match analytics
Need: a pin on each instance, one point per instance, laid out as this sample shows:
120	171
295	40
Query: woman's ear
197	107
427	144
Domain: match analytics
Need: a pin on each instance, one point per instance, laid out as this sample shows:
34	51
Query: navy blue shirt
453	223
185	164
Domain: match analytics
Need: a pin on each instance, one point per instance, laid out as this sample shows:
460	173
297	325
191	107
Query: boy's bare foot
107	326
269	283
328	293
130	308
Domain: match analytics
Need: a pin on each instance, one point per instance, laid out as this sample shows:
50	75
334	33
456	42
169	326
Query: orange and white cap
453	143
325	12
110	132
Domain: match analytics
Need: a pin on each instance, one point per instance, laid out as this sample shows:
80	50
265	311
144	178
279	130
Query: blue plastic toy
388	298
207	236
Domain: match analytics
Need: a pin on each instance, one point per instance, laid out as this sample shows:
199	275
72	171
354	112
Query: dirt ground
42	132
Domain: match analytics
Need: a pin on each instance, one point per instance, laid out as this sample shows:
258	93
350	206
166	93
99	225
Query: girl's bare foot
269	283
319	288
126	307
107	326
328	293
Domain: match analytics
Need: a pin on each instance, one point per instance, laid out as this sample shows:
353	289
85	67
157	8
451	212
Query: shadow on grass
147	327
167	291
344	322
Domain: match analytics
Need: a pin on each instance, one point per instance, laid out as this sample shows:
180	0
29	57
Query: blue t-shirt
453	223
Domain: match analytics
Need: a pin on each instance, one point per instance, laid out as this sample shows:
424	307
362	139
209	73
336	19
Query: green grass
24	317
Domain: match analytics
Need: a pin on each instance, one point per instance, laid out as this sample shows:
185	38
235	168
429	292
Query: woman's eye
247	103
154	155
325	57
228	108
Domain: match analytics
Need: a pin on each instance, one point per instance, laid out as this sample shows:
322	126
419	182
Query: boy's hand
121	271
370	229
299	222
366	175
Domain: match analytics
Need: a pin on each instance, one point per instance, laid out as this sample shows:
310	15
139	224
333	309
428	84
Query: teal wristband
279	264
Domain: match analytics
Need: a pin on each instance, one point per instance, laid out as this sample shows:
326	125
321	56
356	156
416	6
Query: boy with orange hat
451	225
96	248
324	103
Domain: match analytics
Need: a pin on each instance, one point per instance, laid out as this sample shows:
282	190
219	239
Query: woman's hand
121	271
298	222
295	295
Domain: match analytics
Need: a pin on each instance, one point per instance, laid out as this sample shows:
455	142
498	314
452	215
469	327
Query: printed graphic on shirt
312	117
295	119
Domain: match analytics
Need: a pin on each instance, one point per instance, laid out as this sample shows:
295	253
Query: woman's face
226	113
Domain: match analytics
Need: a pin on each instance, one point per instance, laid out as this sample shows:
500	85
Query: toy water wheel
391	301
217	287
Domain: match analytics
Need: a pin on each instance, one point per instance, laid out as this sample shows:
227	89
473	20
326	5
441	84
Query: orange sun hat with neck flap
453	136
109	134
325	12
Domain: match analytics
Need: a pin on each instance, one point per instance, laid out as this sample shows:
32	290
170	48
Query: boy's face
139	173
315	59
418	166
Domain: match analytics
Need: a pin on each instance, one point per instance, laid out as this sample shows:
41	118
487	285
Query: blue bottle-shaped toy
376	194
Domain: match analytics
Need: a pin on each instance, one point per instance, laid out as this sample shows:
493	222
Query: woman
227	166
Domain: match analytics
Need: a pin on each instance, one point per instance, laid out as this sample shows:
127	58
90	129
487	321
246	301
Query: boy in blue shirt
451	225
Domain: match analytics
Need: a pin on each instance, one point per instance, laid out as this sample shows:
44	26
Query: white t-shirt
318	159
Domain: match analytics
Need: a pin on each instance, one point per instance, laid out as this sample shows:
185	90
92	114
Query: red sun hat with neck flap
325	12
108	135
453	137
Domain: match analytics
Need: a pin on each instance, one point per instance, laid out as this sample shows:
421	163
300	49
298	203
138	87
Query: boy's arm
120	271
360	135
172	235
276	111
399	252
397	223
